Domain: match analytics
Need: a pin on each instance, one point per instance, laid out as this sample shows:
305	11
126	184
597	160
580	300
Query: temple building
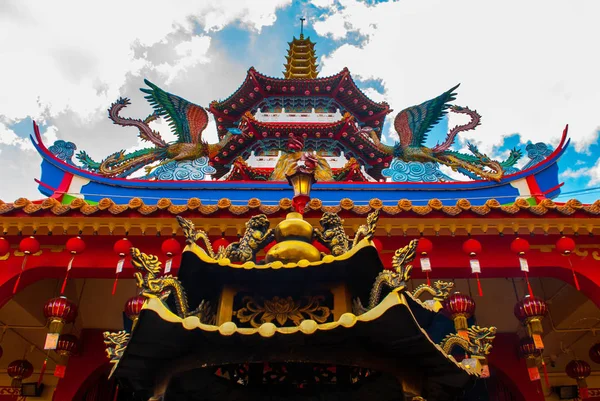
300	257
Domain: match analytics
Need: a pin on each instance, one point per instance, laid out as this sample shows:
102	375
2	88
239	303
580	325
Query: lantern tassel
545	374
19	277
114	289
575	280
42	371
116	393
529	285
479	285
64	284
118	270
428	280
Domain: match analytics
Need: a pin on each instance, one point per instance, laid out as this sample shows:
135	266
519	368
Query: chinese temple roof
435	208
257	87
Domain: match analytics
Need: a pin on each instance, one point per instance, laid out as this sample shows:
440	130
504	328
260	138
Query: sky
529	68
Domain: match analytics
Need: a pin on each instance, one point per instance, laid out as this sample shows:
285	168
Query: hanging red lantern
424	247
19	370
170	247
58	312
121	248
530	353
28	246
460	307
520	246
220	243
566	246
133	307
4	246
594	353
579	370
75	246
530	311
66	347
472	247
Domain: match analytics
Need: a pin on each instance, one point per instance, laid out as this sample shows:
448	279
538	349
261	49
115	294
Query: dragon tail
472	124
145	132
119	164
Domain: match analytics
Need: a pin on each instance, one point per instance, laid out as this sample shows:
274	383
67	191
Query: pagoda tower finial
301	58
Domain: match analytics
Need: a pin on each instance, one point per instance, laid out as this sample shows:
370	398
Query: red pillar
505	359
83	369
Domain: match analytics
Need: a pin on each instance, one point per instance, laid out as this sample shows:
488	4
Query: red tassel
116	393
574	275
42	371
19	278
114	290
545	374
529	285
64	284
479	285
428	280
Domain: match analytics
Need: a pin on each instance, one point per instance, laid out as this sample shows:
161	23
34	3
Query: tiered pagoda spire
301	58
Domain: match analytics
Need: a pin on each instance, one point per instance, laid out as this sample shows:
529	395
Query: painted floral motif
189	170
401	171
64	150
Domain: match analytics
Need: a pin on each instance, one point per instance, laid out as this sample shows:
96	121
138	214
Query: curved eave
390	328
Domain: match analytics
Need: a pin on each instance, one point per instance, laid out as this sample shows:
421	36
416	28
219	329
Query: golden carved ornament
254	203
522	203
77	203
405	204
347	204
285	203
164	203
463	204
194	203
115	343
21	203
105	203
49	203
435	204
315	204
492	203
376	203
548	204
281	310
135	203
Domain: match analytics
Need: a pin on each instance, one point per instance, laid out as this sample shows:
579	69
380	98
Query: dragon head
480	339
442	289
189	230
330	220
402	257
259	222
145	263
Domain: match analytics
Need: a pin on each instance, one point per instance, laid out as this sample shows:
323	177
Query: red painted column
83	369
505	359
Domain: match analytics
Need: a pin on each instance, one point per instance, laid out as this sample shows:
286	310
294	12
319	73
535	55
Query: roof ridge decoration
301	59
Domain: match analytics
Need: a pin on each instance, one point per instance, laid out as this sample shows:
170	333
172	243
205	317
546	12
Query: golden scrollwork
281	310
115	342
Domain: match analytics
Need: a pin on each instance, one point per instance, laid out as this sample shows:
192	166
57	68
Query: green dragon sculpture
394	279
256	237
187	120
413	124
478	344
148	281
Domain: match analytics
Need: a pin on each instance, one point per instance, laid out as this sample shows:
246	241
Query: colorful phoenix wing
186	119
413	124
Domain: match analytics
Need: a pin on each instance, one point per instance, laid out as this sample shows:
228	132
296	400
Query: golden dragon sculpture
394	279
256	237
478	344
152	286
115	343
334	237
440	290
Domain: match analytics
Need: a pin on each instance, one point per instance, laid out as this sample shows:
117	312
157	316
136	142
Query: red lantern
4	246
579	370
520	246
460	307
58	312
67	346
75	246
121	248
28	246
566	246
530	353
220	243
133	307
424	247
472	247
19	370
530	311
170	247
594	353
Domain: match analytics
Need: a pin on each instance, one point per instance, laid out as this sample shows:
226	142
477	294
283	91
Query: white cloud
591	173
525	66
